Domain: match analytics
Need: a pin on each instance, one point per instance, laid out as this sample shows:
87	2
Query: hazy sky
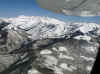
12	8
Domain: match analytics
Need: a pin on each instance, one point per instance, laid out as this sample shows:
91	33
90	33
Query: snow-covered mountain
74	54
45	27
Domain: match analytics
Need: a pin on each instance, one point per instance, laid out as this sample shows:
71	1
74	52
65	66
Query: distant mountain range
45	27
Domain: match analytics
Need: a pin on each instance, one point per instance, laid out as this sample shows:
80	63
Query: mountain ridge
45	27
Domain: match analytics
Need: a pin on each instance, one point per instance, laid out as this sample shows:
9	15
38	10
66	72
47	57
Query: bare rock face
72	7
42	45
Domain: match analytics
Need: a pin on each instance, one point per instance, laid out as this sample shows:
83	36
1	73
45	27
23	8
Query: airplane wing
72	7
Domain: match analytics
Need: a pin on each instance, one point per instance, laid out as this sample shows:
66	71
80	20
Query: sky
13	8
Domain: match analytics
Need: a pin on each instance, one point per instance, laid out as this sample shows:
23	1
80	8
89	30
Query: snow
89	68
44	27
50	60
88	58
58	70
61	48
33	71
46	51
65	66
89	27
54	49
91	49
43	23
80	37
62	56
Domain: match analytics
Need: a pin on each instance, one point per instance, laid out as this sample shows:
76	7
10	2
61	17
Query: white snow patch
62	48
33	71
89	68
58	70
64	66
50	60
86	28
80	37
91	49
62	56
46	51
73	67
54	48
88	58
